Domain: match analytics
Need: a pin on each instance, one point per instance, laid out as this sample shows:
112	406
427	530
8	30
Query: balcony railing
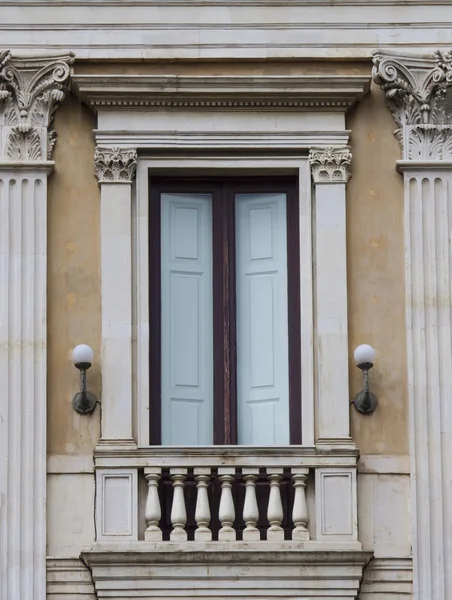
218	491
223	494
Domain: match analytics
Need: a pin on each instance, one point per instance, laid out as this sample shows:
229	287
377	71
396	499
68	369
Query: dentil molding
115	165
119	91
330	165
30	91
419	96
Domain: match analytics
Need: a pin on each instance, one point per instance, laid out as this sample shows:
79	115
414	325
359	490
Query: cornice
419	96
31	89
223	92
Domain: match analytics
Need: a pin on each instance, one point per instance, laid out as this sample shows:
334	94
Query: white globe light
82	354
364	354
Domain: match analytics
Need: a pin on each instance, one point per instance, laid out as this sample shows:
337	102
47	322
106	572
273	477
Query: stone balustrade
227	494
229	510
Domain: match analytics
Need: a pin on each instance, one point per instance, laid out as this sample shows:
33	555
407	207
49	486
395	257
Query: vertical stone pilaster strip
419	96
30	91
330	169
115	170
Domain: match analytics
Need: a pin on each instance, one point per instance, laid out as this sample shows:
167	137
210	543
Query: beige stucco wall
375	262
73	278
375	249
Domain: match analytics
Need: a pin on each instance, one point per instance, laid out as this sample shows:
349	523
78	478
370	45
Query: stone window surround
303	114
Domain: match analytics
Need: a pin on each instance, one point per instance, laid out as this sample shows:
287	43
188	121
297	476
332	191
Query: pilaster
330	169
419	96
30	91
115	170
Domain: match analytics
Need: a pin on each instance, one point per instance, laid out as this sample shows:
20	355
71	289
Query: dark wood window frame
223	191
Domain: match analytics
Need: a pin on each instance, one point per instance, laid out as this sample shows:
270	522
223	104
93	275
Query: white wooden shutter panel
262	319
187	336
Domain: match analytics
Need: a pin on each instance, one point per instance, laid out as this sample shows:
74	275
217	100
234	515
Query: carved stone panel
330	165
419	96
30	91
115	165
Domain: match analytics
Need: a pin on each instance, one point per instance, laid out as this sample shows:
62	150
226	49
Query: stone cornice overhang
306	93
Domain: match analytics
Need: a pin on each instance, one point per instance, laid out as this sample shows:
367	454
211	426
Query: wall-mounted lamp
84	402
365	402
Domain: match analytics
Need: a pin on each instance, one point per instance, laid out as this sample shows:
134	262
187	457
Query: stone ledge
68	579
387	579
280	571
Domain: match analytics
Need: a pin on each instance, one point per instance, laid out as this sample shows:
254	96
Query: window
224	312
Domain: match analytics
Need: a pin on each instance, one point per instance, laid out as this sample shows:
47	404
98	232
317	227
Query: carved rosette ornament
30	91
115	165
419	96
330	165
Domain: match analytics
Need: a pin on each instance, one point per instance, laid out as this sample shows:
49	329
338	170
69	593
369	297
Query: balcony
203	521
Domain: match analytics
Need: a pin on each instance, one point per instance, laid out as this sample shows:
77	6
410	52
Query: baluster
275	513
202	511
300	515
153	512
178	510
226	512
250	508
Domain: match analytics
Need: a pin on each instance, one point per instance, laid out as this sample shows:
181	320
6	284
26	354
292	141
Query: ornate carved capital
30	91
419	96
115	165
330	165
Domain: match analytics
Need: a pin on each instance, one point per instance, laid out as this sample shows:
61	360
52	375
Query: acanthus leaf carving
31	90
24	143
419	95
115	165
330	165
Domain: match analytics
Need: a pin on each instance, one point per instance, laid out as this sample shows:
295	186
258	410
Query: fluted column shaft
23	341
428	223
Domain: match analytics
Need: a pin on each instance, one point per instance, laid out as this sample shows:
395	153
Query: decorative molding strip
419	96
115	165
150	140
391	576
203	3
68	578
221	92
330	165
30	91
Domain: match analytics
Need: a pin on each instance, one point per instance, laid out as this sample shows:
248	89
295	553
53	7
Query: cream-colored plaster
376	292
375	258
73	278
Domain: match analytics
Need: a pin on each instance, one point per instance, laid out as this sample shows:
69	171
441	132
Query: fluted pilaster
418	92
30	91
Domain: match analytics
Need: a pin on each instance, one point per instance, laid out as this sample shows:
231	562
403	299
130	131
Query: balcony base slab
232	571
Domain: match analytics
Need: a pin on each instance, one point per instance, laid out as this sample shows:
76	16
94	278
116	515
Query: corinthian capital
419	96
115	165
30	91
330	165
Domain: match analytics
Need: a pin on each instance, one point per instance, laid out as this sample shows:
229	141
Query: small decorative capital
330	165
419	96
115	165
31	90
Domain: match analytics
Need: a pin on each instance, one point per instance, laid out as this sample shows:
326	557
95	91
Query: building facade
223	199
